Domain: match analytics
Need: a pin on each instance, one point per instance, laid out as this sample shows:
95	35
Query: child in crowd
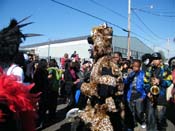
136	94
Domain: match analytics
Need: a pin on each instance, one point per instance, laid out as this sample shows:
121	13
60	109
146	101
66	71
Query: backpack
54	82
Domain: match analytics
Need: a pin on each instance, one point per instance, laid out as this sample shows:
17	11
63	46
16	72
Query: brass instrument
155	90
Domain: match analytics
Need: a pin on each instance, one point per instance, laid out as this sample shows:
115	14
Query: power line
101	19
152	13
147	26
113	11
141	36
164	12
141	29
88	14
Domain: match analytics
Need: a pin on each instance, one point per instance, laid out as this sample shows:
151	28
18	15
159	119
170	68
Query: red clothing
72	72
18	99
63	62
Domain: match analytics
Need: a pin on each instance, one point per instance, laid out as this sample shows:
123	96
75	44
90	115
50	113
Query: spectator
126	68
42	85
146	61
117	58
63	60
171	103
71	81
84	75
74	54
136	93
17	67
54	78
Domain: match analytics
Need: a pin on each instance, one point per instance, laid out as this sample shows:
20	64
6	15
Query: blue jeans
156	117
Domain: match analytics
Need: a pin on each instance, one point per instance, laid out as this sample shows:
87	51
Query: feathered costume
105	83
17	105
10	39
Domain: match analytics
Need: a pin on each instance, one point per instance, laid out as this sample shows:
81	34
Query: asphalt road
62	124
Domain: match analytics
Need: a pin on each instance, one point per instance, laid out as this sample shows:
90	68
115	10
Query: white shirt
17	72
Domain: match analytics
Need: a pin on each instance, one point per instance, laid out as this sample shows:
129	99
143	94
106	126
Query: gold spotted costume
105	82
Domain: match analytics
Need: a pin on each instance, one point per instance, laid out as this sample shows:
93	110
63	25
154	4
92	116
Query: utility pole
129	28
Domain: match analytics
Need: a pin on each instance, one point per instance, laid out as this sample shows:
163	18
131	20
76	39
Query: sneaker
143	126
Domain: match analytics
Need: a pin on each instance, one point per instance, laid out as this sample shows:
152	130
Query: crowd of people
148	88
50	81
146	96
146	84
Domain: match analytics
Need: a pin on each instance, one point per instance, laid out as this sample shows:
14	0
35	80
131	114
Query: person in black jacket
41	85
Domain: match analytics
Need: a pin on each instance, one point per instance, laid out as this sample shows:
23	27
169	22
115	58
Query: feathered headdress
16	96
10	39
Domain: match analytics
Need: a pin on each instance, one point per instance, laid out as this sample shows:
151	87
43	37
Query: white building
57	48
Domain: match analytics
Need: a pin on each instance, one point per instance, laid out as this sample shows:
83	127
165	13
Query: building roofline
55	41
142	42
70	39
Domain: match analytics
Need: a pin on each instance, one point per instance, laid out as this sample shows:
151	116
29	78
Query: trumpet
155	90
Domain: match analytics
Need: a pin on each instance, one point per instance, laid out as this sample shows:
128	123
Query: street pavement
62	124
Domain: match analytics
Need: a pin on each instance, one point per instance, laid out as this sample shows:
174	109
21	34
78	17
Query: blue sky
58	22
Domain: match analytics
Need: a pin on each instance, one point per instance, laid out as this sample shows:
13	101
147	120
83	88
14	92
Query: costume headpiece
14	96
101	38
10	39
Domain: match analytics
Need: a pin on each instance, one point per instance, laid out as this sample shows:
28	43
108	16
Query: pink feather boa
18	98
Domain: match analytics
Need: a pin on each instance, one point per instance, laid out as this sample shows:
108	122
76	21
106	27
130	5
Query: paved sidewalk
64	125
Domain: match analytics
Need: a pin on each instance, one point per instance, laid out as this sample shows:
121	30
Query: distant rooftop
55	41
119	40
